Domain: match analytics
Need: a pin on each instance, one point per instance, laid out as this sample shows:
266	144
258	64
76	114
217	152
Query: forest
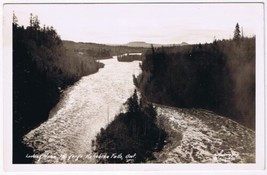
42	69
219	76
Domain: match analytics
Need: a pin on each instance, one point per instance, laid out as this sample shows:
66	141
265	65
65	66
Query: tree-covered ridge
219	76
101	51
42	68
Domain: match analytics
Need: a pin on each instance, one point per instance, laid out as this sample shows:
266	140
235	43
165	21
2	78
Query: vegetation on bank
134	133
129	57
219	76
42	68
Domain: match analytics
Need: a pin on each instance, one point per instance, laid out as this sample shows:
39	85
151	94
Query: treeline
129	57
42	68
219	76
134	132
101	51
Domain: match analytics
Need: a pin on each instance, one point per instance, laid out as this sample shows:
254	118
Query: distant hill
148	45
184	43
138	44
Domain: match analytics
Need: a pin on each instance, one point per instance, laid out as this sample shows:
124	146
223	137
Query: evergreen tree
132	103
133	132
15	20
36	23
31	19
237	35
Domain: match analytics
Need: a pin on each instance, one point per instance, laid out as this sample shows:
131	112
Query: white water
86	107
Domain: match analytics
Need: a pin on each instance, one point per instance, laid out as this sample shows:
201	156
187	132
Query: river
84	109
194	135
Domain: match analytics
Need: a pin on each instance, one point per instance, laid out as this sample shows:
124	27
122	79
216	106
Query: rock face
199	136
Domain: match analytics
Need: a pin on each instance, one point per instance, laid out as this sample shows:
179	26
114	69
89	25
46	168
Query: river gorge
84	109
194	135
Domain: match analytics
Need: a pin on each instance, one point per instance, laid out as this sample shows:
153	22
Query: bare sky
152	23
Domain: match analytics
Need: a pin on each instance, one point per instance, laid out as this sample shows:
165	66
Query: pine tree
31	19
15	19
35	23
237	35
132	103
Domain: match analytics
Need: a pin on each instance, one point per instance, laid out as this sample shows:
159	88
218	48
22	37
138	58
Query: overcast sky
152	23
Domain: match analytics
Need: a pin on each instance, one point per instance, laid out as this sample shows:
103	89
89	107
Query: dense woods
101	51
219	76
42	68
134	132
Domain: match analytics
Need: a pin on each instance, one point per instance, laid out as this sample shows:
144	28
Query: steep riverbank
41	68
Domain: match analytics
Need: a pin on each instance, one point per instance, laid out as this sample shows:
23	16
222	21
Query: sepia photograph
135	83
